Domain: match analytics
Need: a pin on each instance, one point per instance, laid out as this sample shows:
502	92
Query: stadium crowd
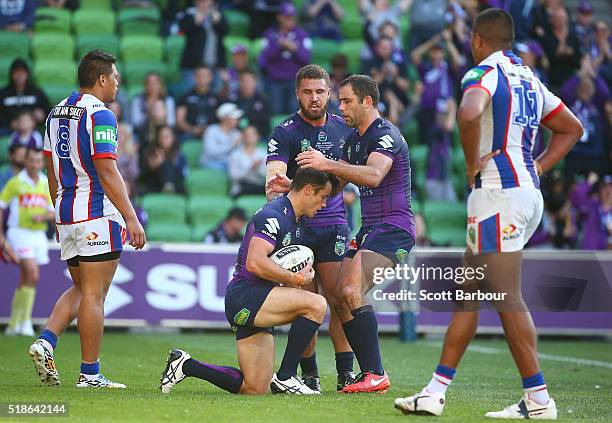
234	80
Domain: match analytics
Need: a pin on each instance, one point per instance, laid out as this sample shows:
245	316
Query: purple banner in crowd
184	286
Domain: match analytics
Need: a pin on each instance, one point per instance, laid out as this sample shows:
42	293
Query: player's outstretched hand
309	274
278	184
483	163
137	233
312	158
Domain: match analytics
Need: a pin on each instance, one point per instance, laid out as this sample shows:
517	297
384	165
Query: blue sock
447	372
536	389
533	381
90	368
344	362
362	334
309	365
441	379
301	332
49	336
225	377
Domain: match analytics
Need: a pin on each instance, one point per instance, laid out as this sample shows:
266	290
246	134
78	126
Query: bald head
496	27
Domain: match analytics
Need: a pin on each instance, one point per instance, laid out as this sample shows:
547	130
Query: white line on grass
544	356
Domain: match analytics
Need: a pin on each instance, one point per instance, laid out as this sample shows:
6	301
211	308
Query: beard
313	115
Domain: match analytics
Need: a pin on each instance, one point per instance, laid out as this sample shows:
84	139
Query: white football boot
42	357
173	373
422	403
97	381
293	385
527	409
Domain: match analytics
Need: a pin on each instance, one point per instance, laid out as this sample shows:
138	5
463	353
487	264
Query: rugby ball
293	257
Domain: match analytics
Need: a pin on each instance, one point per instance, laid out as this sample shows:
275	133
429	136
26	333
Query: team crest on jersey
322	137
402	255
304	145
62	148
472	234
242	316
287	240
340	248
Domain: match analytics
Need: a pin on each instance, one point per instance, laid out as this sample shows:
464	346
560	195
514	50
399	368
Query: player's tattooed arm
370	175
567	130
259	263
277	182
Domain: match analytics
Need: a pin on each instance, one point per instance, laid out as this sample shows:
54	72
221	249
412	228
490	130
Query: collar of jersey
23	175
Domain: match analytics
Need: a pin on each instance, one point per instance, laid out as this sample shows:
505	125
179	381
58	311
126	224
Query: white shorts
502	220
99	236
29	244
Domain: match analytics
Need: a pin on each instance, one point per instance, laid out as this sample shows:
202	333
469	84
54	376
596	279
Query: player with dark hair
91	203
327	234
503	105
255	302
375	158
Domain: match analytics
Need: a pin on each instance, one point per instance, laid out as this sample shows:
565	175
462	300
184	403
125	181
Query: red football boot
369	382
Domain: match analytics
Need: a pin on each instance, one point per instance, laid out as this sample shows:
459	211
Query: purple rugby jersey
275	222
295	135
388	203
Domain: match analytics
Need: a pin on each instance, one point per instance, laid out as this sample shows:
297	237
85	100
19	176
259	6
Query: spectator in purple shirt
286	48
597	230
17	15
25	132
585	30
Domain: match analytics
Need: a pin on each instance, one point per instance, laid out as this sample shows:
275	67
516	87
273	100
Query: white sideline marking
544	356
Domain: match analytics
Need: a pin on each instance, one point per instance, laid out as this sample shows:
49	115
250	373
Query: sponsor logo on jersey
242	316
386	141
105	134
29	201
353	245
272	225
472	76
510	232
92	236
67	112
297	232
322	137
287	123
272	145
348	153
471	220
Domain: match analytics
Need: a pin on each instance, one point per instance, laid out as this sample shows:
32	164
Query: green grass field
487	380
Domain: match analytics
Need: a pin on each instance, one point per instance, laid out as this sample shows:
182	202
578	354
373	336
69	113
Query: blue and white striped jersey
79	130
519	104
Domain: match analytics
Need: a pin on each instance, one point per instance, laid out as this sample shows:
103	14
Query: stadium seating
208	210
446	222
96	4
137	70
87	42
166	208
207	182
255	51
352	24
4	142
139	21
5	66
198	232
141	47
52	19
352	50
56	93
238	23
14	44
174	45
251	203
192	150
53	46
55	72
169	232
94	21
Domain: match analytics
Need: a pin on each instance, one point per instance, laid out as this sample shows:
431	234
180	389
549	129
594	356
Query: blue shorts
243	299
328	243
387	240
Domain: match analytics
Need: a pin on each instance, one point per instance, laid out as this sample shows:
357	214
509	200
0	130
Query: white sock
438	383
538	394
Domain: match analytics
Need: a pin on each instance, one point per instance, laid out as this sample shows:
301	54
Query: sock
29	294
16	307
362	334
49	337
309	365
225	377
90	369
301	332
536	389
344	362
441	379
